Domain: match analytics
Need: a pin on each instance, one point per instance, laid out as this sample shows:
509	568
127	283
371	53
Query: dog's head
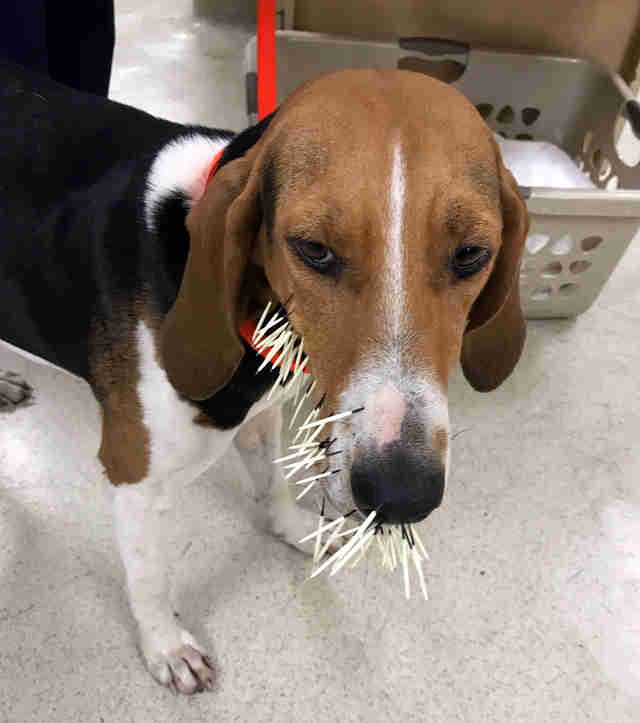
378	203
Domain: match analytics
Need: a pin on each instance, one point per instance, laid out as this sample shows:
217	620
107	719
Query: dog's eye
468	260
316	255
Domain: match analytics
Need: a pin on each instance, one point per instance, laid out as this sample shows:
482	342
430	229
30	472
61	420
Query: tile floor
535	574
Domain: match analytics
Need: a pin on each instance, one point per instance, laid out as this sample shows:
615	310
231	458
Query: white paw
175	659
291	523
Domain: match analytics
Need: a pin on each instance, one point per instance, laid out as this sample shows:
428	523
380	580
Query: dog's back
73	169
54	135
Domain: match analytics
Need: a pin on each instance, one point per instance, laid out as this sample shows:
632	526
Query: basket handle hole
590	243
485	110
579	267
596	158
448	71
530	115
552	269
506	115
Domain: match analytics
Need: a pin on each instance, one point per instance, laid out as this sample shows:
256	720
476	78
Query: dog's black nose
401	485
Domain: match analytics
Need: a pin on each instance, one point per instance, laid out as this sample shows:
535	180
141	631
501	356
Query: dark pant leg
23	37
80	40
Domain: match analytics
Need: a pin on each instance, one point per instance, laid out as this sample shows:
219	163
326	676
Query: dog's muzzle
402	486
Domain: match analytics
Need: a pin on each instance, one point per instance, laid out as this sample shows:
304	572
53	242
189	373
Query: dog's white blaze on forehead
182	166
395	291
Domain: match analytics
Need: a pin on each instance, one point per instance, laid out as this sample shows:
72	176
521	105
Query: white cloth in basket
538	163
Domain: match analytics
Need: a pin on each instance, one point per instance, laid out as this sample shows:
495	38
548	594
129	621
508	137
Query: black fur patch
228	407
245	140
76	258
169	215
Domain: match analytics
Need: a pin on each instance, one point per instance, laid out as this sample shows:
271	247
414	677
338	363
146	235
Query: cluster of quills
399	546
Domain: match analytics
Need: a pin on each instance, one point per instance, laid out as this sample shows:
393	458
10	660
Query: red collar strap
247	330
214	167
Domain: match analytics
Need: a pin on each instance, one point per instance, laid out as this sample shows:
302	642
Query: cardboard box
607	31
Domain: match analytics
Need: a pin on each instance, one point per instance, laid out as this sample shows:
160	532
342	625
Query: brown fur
330	150
200	346
124	449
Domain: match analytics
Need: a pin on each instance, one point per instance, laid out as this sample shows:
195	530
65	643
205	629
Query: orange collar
247	330
214	166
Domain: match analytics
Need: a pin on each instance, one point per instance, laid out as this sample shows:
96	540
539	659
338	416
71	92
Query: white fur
176	444
182	165
395	291
140	528
377	384
179	451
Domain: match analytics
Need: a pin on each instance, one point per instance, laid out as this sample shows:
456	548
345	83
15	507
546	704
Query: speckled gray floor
535	574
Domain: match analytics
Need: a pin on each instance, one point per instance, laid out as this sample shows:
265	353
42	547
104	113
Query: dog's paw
291	523
13	391
175	659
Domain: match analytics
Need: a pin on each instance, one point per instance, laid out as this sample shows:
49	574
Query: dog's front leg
149	445
173	656
259	441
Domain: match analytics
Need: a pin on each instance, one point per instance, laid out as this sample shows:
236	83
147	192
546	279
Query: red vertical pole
267	98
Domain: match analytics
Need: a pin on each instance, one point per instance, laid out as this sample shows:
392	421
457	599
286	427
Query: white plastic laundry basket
577	235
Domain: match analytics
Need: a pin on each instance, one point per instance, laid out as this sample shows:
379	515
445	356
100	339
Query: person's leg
80	41
23	33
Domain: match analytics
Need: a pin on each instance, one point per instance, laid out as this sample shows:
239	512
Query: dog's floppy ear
496	330
200	345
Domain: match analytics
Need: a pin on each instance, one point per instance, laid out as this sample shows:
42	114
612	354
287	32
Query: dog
373	205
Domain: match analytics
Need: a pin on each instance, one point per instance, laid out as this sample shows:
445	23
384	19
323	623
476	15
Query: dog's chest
179	437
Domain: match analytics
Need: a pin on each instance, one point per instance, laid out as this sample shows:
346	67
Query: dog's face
378	207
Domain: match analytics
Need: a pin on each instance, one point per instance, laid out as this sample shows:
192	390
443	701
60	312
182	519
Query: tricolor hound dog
376	200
